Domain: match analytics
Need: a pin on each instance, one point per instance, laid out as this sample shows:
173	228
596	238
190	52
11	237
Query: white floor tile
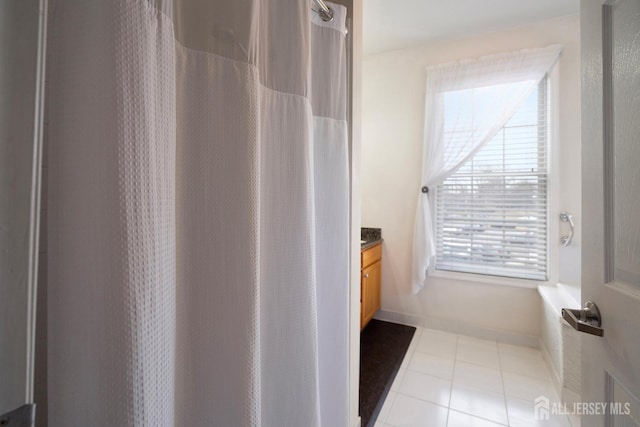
480	403
426	387
410	412
494	384
437	343
386	407
479	352
398	379
409	354
458	419
477	342
521	414
528	388
517	350
476	376
416	335
413	344
528	363
431	365
407	358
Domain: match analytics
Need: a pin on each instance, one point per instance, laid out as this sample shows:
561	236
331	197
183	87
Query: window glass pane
491	215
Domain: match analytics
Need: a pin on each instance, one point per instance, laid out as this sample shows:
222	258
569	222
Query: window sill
485	279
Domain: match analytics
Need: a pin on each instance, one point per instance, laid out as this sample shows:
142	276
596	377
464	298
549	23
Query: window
491	214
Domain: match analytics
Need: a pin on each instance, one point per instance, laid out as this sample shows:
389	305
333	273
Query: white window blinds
491	214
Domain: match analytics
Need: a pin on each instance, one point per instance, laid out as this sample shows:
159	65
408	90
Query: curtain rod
325	12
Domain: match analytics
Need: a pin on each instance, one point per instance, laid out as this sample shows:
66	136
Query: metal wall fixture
325	12
567	217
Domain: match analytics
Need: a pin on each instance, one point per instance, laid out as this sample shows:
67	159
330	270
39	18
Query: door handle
585	320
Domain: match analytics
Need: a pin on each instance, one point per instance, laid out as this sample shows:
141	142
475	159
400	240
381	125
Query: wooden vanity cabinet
370	281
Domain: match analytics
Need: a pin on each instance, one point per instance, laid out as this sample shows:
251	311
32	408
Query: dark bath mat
382	348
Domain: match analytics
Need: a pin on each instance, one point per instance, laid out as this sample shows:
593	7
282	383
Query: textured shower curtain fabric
466	104
198	214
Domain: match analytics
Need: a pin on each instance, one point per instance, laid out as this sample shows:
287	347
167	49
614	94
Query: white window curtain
198	214
475	98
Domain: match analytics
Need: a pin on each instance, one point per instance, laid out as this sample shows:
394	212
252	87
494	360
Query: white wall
393	108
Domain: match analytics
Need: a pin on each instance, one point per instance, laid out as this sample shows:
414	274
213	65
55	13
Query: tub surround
559	342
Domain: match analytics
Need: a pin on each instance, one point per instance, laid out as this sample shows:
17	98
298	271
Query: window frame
552	204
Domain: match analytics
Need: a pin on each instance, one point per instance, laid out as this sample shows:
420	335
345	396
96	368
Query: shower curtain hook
324	11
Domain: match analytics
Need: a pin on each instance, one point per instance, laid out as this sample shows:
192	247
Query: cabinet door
370	291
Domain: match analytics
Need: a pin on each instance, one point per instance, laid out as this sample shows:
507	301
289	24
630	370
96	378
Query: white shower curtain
198	214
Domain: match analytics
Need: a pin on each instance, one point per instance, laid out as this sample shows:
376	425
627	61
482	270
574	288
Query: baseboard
358	422
460	328
397	317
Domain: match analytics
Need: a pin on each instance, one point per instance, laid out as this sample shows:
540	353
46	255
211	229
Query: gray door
22	30
611	209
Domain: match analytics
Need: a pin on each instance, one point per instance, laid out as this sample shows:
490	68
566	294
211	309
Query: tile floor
453	380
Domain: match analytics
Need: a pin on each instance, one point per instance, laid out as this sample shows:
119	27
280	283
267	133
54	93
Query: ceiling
397	24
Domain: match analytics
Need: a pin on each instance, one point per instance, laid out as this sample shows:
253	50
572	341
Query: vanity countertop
369	237
366	244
